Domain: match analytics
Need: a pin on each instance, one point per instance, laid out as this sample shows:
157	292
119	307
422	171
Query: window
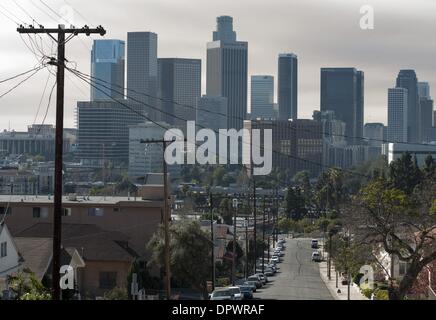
40	212
66	212
402	268
3	210
95	212
3	249
116	209
108	280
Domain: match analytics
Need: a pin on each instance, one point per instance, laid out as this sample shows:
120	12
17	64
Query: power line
22	81
46	110
18	75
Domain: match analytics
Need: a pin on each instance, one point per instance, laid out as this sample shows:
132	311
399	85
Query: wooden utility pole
212	239
263	234
60	31
167	217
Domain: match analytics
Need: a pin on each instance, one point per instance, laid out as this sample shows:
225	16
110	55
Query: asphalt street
298	277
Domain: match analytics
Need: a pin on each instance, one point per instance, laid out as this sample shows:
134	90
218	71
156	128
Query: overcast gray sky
323	33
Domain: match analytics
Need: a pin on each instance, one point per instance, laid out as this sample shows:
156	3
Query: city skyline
366	50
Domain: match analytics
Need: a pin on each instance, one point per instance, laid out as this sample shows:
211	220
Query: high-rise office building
297	145
407	79
342	91
425	113
179	84
262	96
374	133
288	86
107	69
227	72
145	158
142	70
224	29
211	113
103	131
397	114
424	90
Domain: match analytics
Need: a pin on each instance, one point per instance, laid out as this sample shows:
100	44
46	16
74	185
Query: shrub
381	294
116	293
357	277
367	292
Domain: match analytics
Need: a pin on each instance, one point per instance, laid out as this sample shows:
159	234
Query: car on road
222	294
236	292
314	244
316	256
247	292
251	284
257	280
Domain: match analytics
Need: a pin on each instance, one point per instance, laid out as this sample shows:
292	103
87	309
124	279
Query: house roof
36	252
90	241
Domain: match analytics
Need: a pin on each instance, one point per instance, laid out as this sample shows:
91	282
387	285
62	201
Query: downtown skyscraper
107	69
142	71
288	86
342	91
397	115
262	96
407	79
227	71
179	84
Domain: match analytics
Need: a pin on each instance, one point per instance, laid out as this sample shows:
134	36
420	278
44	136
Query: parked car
251	284
222	294
262	278
236	292
274	259
269	272
316	256
255	278
314	244
247	292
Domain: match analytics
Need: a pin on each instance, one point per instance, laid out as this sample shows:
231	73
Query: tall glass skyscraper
180	82
107	67
262	96
142	73
407	79
288	86
227	72
397	115
342	91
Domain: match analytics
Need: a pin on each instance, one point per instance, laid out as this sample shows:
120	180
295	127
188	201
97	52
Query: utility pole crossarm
85	30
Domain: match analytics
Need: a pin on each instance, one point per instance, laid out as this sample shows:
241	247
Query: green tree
295	203
190	250
25	286
400	223
404	173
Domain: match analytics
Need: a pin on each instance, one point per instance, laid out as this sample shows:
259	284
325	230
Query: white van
314	244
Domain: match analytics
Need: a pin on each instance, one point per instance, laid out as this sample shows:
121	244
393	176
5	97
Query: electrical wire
18	75
21	82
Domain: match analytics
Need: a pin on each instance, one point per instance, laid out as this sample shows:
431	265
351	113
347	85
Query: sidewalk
331	284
